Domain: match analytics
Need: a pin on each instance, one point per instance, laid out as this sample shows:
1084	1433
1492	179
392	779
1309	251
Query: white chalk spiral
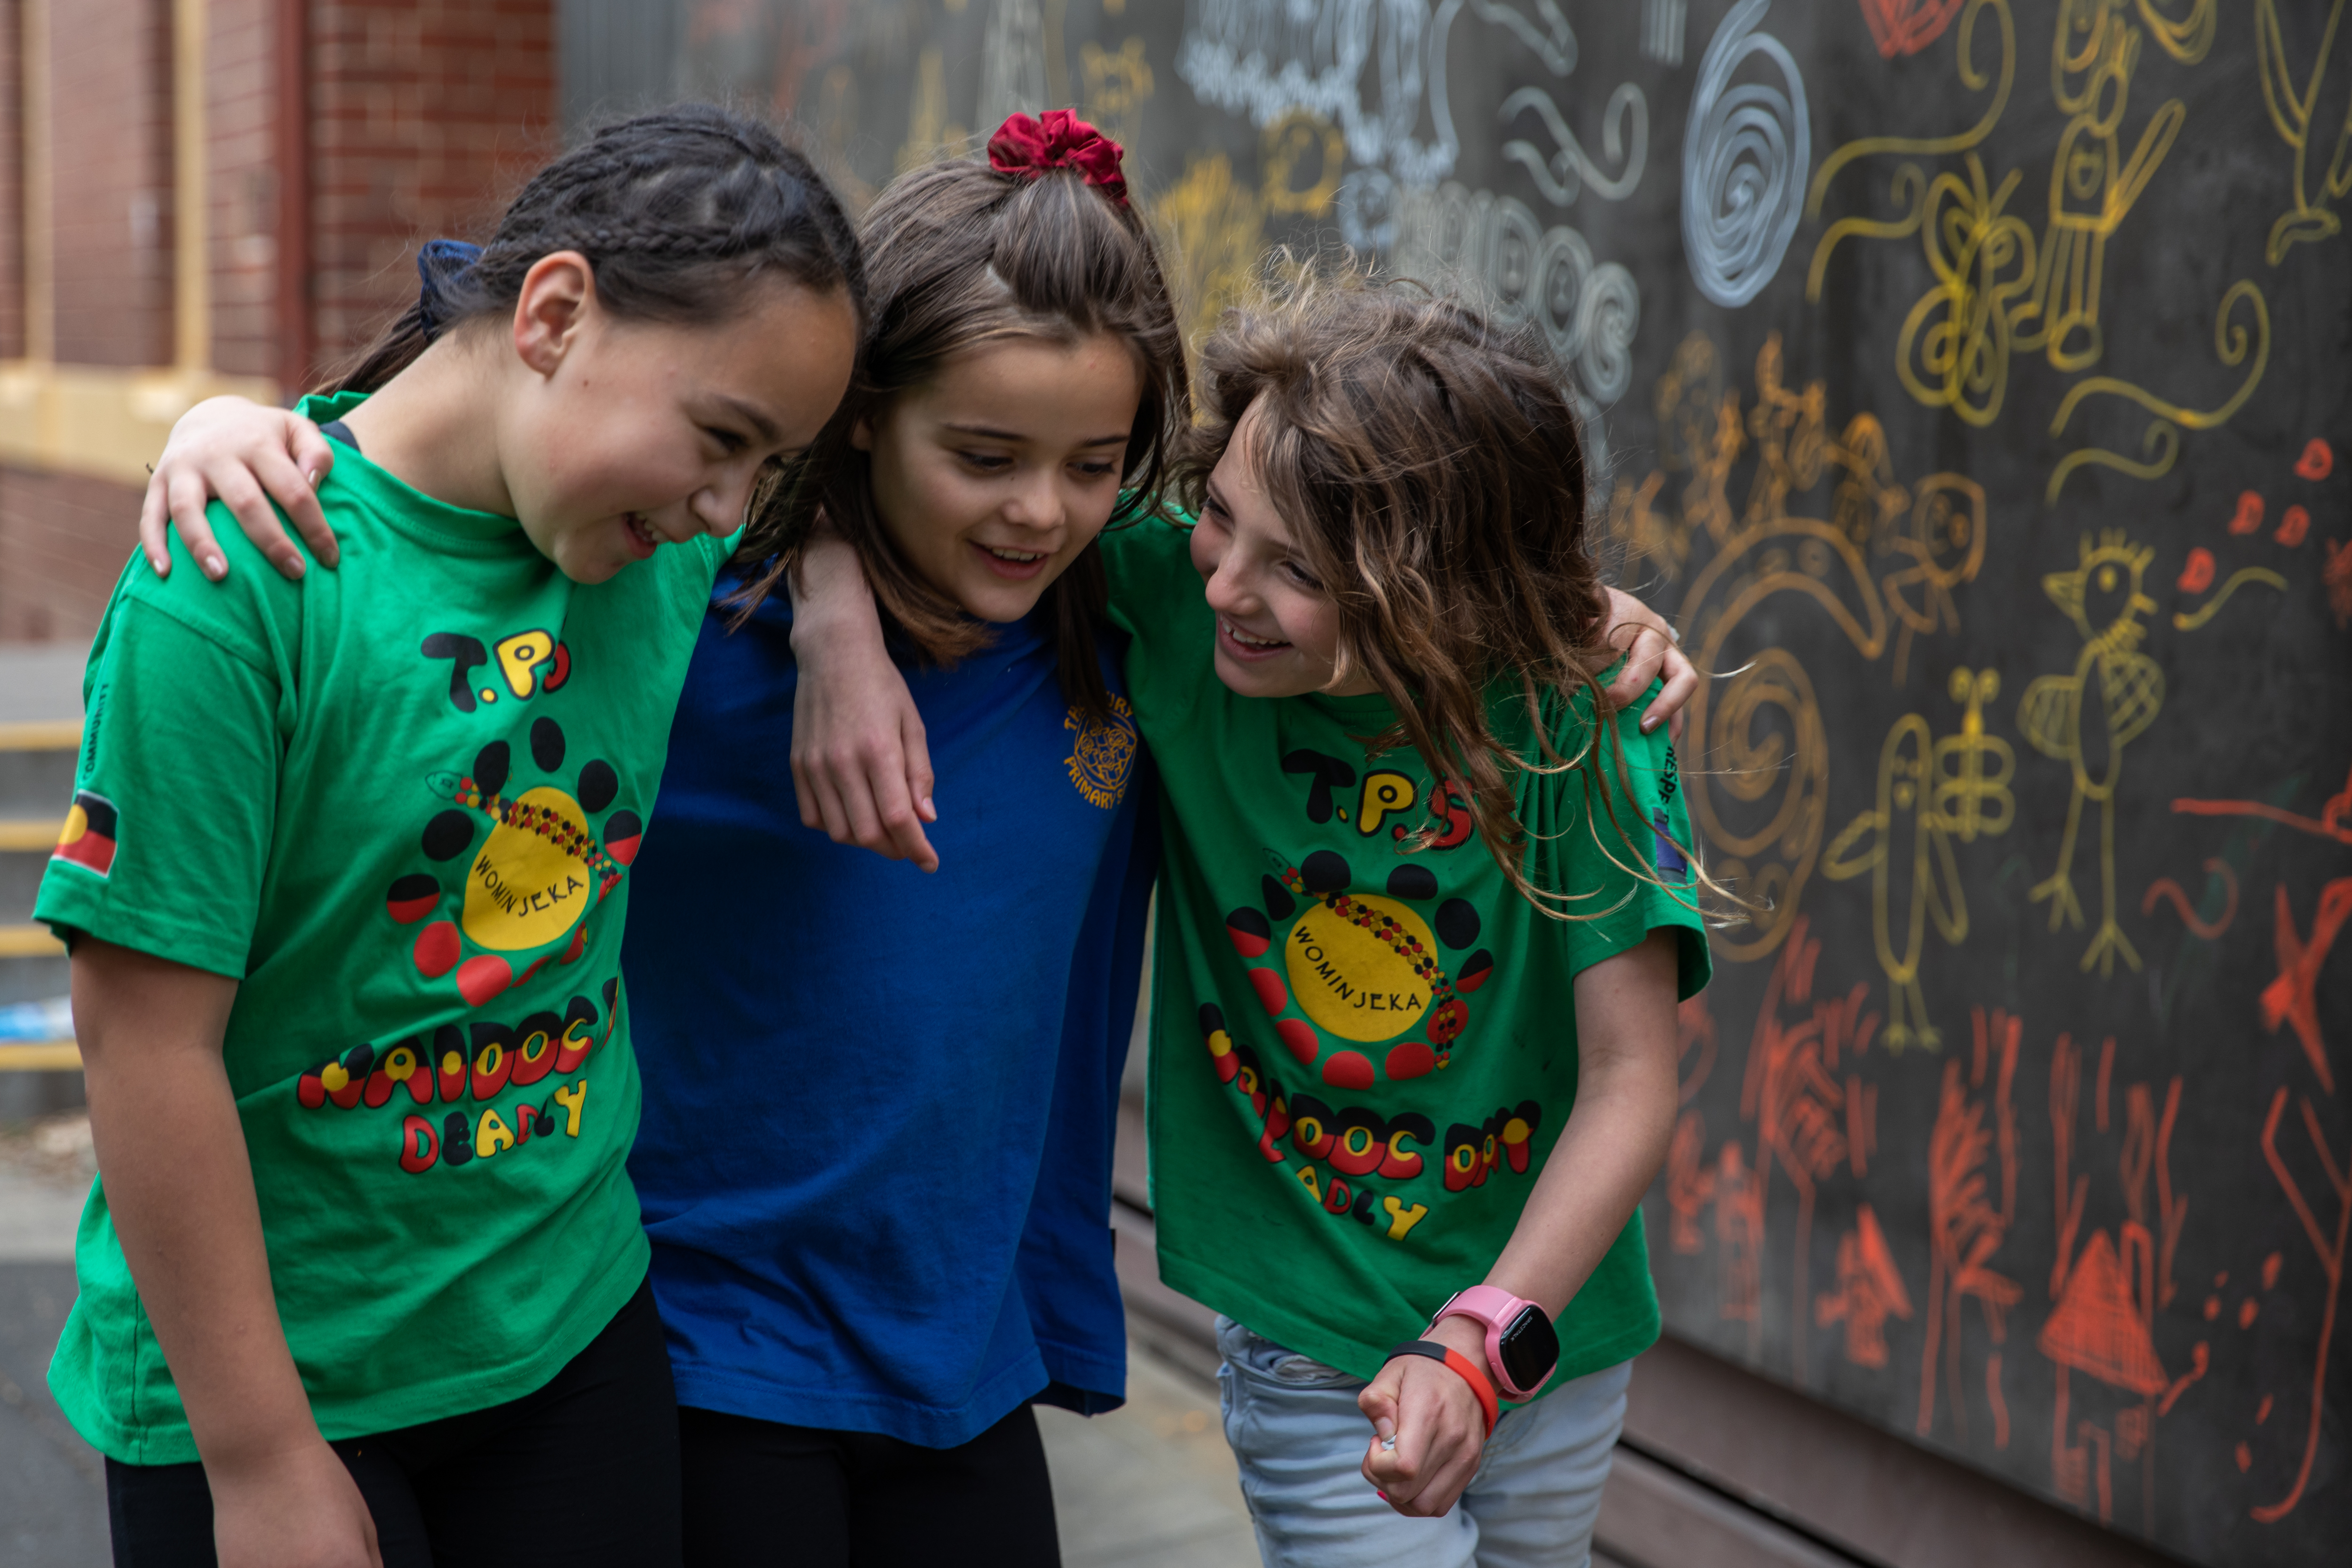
1744	158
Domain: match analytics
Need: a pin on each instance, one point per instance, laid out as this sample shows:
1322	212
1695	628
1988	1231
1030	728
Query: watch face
1530	1349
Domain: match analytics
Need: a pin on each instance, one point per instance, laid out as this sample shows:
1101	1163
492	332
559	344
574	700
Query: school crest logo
1103	755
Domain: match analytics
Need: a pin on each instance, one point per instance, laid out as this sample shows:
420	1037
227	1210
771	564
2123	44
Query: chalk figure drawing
2122	688
1744	157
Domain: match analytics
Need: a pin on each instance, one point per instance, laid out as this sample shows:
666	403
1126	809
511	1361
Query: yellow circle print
526	887
1361	971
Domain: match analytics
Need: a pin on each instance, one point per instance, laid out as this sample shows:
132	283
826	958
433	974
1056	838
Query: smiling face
641	434
1277	630
994	475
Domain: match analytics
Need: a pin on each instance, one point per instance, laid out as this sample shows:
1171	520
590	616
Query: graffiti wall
1969	382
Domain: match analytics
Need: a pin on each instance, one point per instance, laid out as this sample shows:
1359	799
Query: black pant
762	1495
582	1472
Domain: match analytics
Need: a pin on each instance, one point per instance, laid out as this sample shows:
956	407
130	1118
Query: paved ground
52	1486
1149	1486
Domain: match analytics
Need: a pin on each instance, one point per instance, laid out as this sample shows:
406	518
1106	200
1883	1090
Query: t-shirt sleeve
1627	860
168	836
1148	563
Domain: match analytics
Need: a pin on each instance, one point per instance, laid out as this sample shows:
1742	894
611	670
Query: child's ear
558	295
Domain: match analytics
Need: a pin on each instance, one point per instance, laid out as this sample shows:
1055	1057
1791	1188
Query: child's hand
295	1510
861	765
1439	1428
244	454
1651	650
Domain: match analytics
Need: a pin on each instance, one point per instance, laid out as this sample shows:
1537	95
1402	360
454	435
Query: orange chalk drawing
2248	516
2105	1297
2334	821
2166	888
2100	1327
2198	575
2318	460
2292	998
1740	1237
1964	1228
2293	524
1860	1123
1689	1184
1695	1054
1906	26
1870	1289
1796	1103
2337	578
2331	1263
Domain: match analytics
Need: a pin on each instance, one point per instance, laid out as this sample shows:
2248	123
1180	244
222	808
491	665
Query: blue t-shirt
879	1105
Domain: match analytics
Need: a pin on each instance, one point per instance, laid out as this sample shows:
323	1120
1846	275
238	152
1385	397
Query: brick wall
63	541
110	101
12	186
426	115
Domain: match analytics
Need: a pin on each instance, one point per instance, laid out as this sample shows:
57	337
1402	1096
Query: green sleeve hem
199	946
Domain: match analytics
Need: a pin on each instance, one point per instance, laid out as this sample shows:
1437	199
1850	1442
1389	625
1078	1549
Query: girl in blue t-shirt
875	1155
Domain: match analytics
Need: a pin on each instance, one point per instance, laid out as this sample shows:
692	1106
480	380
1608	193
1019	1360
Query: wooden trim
98	421
30	832
42	735
29	942
192	272
49	1056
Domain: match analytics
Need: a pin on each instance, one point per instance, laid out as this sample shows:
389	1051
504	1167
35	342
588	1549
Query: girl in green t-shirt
1426	910
363	1280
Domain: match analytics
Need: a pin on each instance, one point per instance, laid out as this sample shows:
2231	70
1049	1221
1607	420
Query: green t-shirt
396	802
1360	1056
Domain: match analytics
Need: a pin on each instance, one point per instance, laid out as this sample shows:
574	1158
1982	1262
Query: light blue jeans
1299	1439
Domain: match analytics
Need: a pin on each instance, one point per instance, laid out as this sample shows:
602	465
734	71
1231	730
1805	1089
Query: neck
433	427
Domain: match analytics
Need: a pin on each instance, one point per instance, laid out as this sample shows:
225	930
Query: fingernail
311	477
215	568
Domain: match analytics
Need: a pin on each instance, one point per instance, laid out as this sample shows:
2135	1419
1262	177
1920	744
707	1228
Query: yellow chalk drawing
2311	217
930	133
1216	229
2122	688
1931	792
1119	84
1761	801
2188	39
1972	801
1926	147
2161	441
1907	842
1999	288
2190	622
1301	139
1945	545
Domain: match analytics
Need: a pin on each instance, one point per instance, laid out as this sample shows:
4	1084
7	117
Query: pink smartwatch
1521	1348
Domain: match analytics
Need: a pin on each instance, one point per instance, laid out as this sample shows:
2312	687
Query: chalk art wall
1969	380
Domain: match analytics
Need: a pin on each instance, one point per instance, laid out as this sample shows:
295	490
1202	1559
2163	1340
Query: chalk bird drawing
2122	688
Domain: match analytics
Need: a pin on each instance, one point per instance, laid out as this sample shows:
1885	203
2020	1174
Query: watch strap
1463	1367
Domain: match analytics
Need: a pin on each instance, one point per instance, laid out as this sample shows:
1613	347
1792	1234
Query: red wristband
1463	1367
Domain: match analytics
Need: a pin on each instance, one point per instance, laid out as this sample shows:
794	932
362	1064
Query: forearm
1607	1156
179	1186
831	597
1616	1137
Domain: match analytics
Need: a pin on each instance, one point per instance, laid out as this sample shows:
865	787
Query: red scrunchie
1060	141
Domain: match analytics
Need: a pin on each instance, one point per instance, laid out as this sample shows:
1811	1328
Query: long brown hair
958	254
1431	472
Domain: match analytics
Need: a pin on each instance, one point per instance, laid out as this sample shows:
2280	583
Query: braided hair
677	211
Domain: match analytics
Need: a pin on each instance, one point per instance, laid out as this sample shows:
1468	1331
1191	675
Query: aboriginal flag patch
87	840
1669	858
